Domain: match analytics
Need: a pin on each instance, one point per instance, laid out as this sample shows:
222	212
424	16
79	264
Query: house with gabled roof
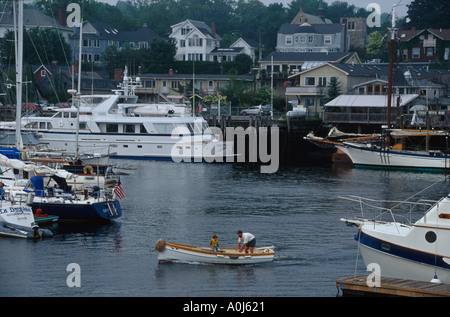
97	36
32	18
281	65
424	45
195	40
312	38
309	87
240	46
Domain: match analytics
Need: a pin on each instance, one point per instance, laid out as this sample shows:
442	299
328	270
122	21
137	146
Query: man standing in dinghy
248	241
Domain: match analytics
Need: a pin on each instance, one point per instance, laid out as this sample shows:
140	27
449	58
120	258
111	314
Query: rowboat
174	252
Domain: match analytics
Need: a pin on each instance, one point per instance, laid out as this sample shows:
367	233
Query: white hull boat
174	252
362	155
118	126
415	251
17	221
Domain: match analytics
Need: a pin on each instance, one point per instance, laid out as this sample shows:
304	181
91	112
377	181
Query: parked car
257	110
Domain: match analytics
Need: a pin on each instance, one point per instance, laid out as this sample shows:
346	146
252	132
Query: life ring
88	168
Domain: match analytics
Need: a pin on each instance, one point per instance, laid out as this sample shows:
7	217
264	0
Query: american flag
118	190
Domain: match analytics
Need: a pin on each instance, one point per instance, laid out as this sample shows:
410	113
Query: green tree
429	13
41	46
334	89
375	45
160	57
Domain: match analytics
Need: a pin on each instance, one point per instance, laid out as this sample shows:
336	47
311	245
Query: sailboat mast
391	63
19	65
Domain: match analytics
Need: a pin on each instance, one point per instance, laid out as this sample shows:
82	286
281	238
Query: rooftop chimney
213	29
61	17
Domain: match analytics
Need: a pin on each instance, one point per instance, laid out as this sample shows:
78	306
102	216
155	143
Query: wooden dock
391	287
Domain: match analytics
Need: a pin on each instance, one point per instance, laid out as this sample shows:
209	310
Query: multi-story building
356	31
312	38
97	36
194	40
310	86
276	68
424	45
32	19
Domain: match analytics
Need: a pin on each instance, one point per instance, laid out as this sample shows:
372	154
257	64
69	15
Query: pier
390	287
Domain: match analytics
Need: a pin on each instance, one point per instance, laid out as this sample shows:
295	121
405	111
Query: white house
194	40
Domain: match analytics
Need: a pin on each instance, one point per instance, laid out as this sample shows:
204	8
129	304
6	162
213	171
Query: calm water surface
296	209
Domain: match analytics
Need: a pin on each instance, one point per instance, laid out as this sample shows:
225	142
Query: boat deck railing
77	194
382	211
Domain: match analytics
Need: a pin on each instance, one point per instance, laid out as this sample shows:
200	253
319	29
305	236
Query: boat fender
30	199
88	168
160	245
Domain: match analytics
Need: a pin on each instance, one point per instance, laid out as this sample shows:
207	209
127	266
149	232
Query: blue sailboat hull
96	211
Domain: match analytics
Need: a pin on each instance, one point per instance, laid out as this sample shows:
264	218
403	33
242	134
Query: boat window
110	127
165	128
42	125
190	127
82	125
49	125
142	129
93	100
31	125
198	126
206	128
129	128
66	114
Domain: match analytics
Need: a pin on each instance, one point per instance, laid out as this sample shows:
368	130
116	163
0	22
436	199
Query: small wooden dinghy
174	252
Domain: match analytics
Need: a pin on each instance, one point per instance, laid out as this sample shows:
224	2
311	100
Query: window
195	41
288	40
430	51
310	81
150	84
322	81
327	40
175	84
43	73
142	129
185	30
309	102
416	52
164	128
129	128
182	43
302	39
311	39
112	127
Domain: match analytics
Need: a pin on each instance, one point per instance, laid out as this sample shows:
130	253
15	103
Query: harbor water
296	209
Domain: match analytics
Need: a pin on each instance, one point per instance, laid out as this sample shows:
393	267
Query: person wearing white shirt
248	241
